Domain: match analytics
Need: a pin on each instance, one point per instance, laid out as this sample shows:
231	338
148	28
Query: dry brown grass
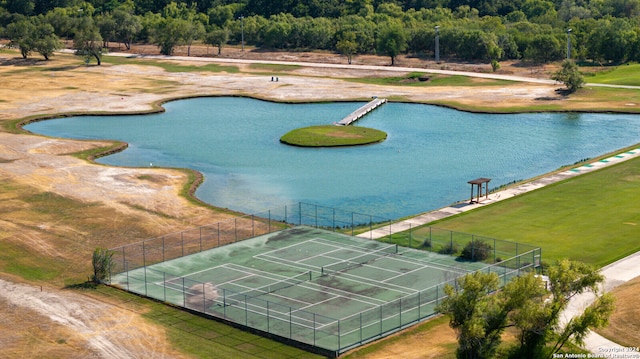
624	326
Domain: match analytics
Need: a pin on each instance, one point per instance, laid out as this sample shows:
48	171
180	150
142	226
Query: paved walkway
497	196
615	273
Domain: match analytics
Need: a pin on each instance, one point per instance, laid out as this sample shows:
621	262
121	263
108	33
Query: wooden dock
361	112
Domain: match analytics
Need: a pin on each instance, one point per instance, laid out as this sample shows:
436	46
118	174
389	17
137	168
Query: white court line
281	261
316	303
332	289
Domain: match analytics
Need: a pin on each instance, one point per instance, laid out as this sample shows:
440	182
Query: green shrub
476	251
450	248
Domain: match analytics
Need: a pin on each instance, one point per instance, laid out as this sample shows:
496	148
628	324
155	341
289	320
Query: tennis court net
359	261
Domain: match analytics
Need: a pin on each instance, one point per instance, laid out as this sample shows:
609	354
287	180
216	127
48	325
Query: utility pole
437	44
242	31
568	44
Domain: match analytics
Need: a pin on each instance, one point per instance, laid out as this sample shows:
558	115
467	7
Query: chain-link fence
318	332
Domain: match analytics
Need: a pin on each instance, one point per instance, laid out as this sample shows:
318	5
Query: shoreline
405	222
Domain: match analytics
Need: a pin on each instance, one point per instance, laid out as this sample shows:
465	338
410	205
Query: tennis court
322	290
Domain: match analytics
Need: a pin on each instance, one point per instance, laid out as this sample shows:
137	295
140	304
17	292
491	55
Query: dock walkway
361	112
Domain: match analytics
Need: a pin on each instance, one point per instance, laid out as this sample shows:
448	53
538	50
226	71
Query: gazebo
479	182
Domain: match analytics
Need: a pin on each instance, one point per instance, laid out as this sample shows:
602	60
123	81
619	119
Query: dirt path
71	325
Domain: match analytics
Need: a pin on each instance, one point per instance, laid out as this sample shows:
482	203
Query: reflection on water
425	163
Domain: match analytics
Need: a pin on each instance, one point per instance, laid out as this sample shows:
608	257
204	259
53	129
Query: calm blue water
425	163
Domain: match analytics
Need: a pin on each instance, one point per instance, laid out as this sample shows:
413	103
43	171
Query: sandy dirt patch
66	324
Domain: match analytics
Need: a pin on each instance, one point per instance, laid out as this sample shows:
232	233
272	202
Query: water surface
425	163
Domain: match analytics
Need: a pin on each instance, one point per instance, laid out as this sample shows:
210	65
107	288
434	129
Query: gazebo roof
479	180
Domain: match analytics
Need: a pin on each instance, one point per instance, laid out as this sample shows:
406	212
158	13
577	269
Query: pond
430	153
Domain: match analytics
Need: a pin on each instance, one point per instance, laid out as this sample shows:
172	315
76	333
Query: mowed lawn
594	218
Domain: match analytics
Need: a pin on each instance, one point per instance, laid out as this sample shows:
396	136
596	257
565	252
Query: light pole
242	31
437	44
568	44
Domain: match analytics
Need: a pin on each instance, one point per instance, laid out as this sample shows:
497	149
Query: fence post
339	347
360	327
224	303
124	259
145	280
204	299
430	239
473	248
333	220
126	270
451	240
351	230
144	257
380	306
370	227
494	250
410	236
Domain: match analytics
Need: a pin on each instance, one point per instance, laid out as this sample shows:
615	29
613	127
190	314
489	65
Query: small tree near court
479	312
102	261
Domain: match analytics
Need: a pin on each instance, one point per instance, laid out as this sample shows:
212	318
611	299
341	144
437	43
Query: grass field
593	218
628	74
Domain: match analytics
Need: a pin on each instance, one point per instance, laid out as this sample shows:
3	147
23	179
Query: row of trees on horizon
538	31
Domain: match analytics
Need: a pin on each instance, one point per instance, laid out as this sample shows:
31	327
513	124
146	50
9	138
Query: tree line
538	31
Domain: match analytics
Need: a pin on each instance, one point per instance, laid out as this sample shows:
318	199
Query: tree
193	30
477	317
570	76
127	26
45	41
218	37
87	41
543	48
538	318
20	34
102	261
168	34
392	41
347	45
107	27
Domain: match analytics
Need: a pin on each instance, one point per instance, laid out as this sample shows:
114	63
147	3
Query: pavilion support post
479	182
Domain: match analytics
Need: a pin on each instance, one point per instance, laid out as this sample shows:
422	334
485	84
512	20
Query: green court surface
326	291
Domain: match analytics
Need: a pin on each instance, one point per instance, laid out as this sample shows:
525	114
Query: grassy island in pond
333	136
